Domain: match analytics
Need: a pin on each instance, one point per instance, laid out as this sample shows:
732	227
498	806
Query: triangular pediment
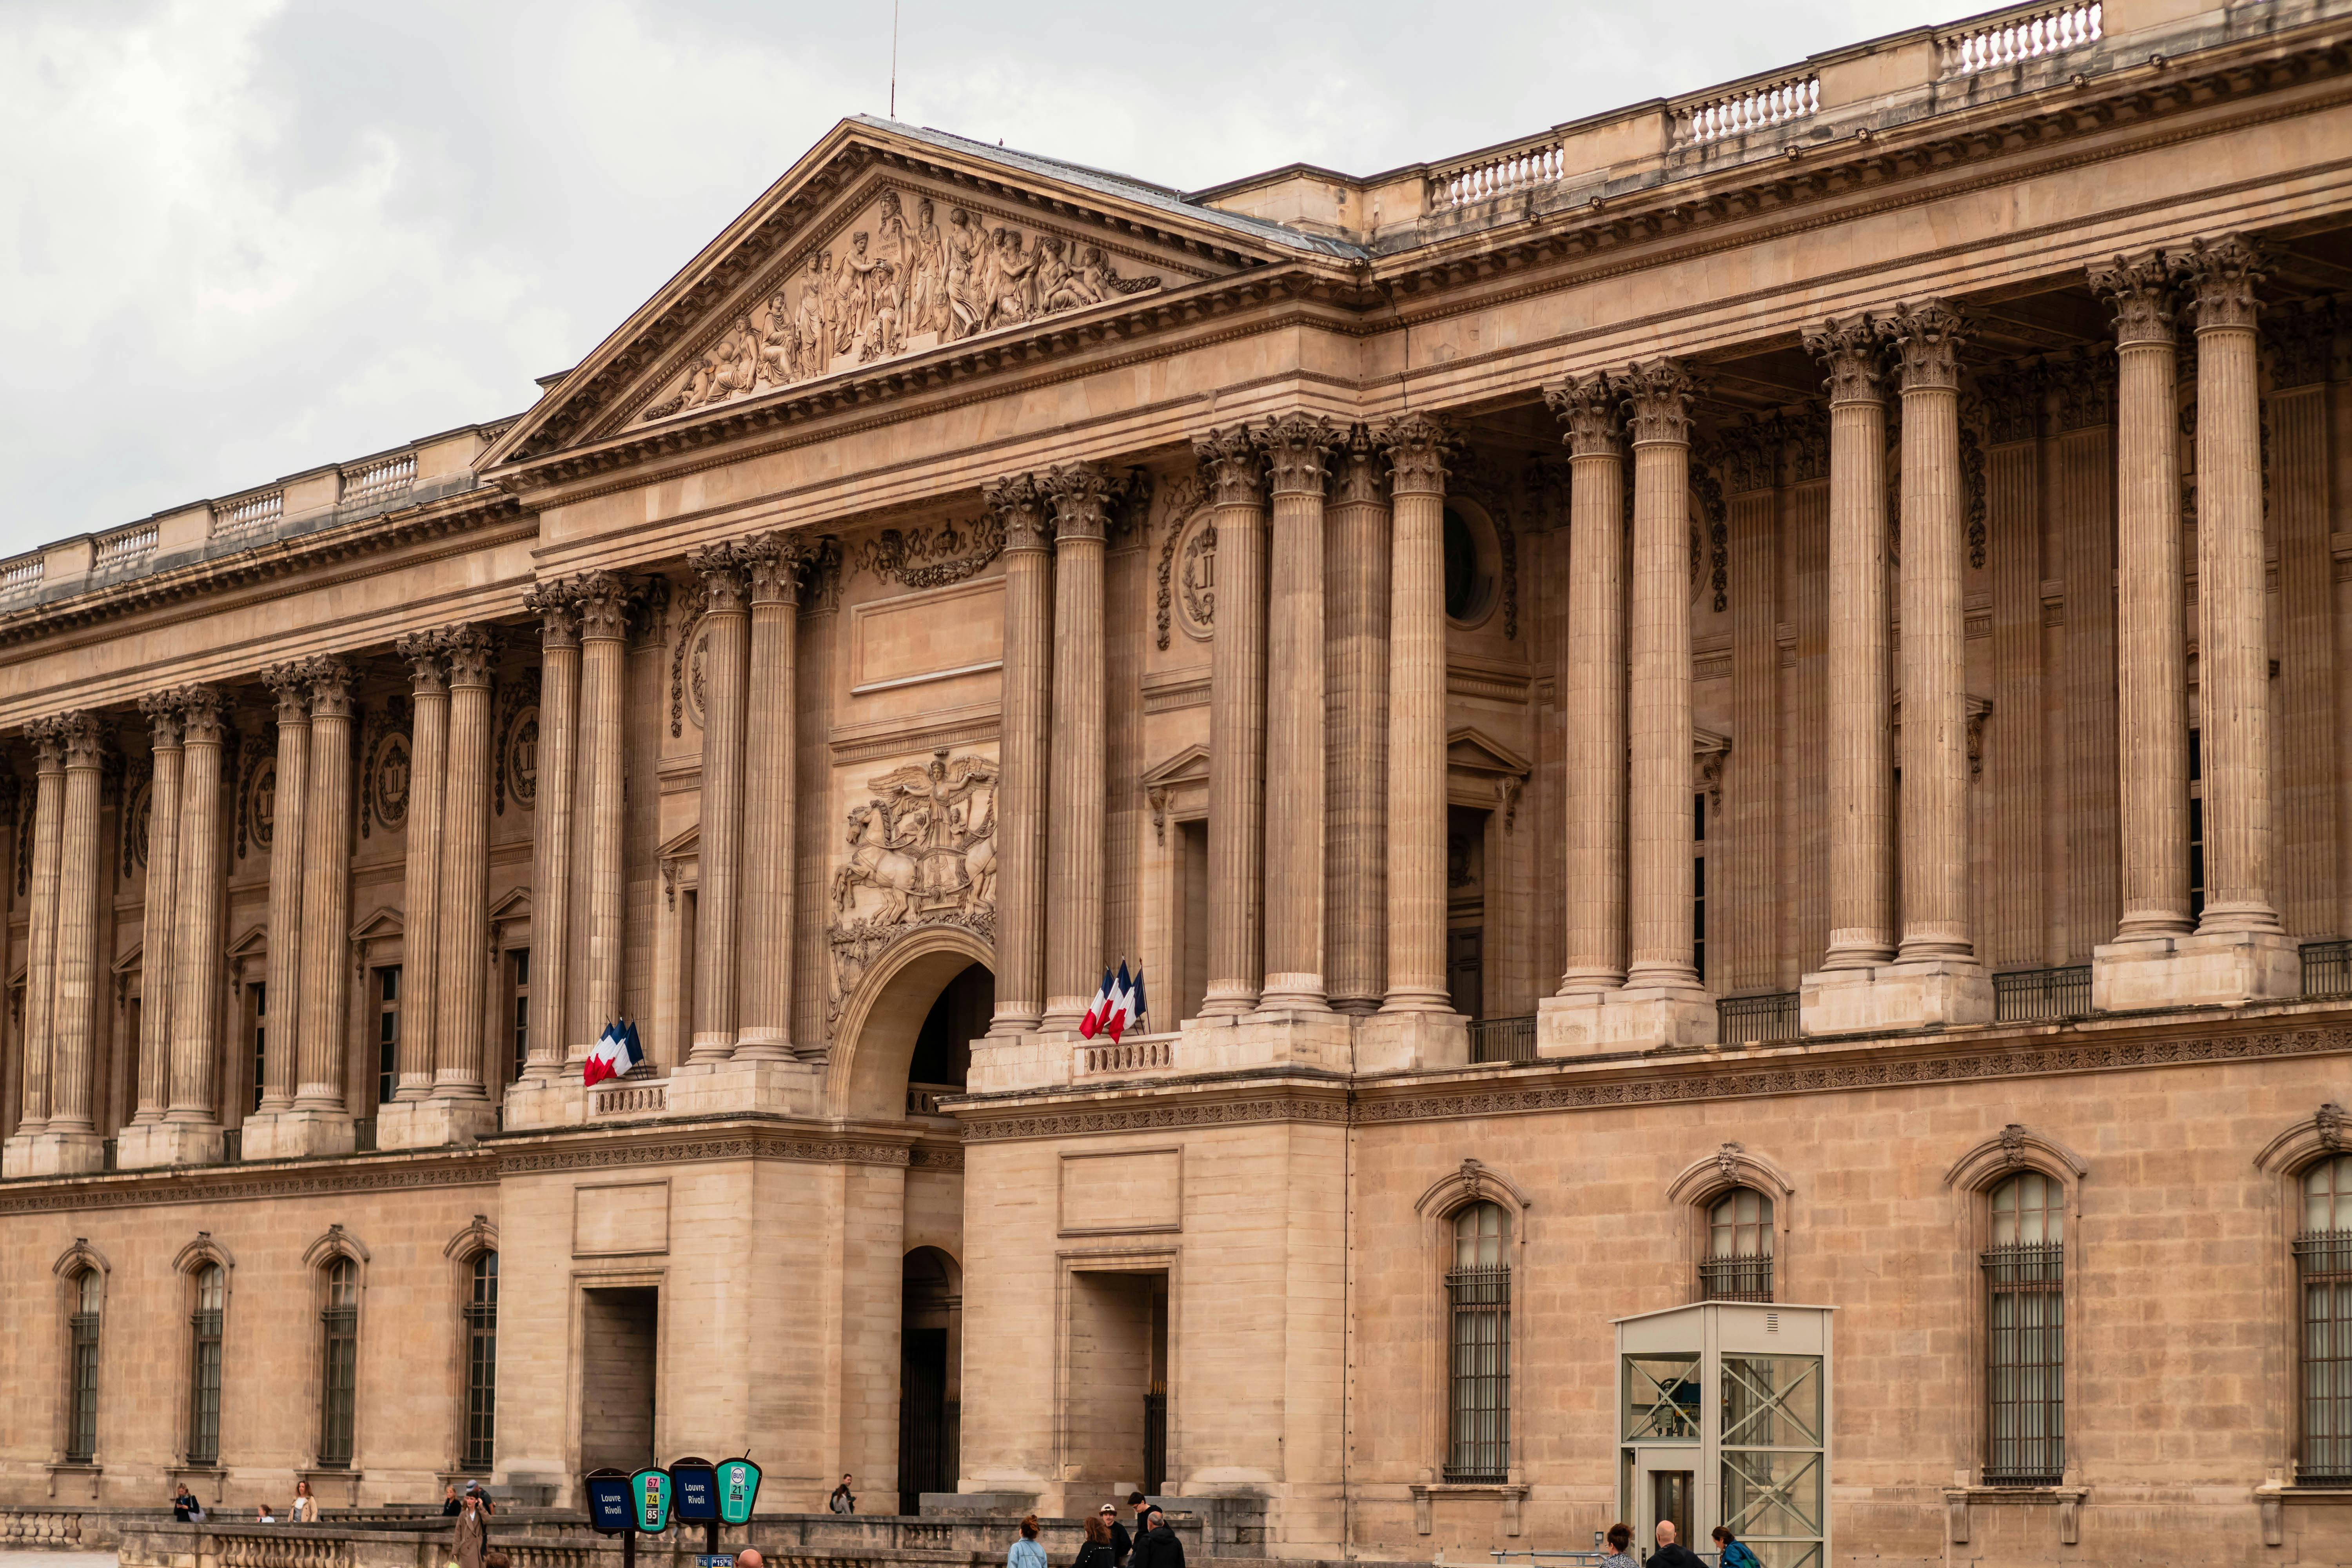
385	922
253	943
1470	749
684	845
514	906
887	243
1186	766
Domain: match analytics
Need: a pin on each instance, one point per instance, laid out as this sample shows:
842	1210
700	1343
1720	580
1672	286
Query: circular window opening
1470	561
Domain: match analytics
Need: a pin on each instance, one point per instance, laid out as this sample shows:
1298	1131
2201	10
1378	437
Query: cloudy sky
241	237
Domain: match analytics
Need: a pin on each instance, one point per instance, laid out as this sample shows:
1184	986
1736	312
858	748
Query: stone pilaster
428	793
71	1134
1236	472
1594	685
1024	753
199	943
1077	803
320	1120
727	674
39	1033
1356	569
1417	444
158	970
771	794
1296	447
559	767
290	820
465	934
603	598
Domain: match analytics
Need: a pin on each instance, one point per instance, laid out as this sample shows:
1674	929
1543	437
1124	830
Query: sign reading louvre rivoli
908	272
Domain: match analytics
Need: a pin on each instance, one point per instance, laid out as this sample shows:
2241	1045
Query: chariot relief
922	852
894	282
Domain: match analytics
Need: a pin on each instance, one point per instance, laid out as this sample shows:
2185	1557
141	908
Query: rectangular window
81	1440
1698	885
387	1032
2196	825
2324	1268
339	1364
2025	1364
204	1368
1479	1448
519	1005
482	1363
258	996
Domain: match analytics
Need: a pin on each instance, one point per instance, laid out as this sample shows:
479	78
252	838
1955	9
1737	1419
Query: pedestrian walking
1620	1548
305	1508
843	1499
473	1531
1729	1554
1671	1553
1027	1552
474	1489
1095	1551
1121	1542
1158	1546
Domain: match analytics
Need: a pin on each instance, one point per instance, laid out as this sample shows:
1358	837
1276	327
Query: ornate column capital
162	710
201	722
1232	466
604	599
1587	405
470	650
1360	475
428	669
1018	502
2141	293
1417	446
2222	274
290	681
555	603
1294	446
330	678
49	742
1927	339
724	589
772	560
1852	352
1081	495
1658	394
82	738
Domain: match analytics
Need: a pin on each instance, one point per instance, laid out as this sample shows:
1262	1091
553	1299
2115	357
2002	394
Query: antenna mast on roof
893	60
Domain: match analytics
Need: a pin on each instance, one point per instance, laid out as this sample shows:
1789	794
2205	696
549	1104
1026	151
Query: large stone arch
873	1042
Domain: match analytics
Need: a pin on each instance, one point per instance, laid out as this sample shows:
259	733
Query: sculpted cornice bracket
2326	1131
2015	1147
1473	1181
1733	1165
478	1237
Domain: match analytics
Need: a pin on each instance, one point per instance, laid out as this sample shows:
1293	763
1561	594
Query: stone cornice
234	1183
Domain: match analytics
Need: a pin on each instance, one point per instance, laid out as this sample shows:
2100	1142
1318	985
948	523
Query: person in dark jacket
1670	1553
1730	1553
1121	1542
1158	1547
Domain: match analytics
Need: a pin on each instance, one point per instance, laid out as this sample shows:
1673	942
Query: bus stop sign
739	1490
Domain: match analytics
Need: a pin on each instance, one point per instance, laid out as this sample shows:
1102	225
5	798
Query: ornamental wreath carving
922	853
932	557
894	283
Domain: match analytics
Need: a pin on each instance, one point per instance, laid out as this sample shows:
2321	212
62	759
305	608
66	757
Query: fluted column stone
198	942
1417	444
1024	753
604	599
1296	448
318	1087
159	974
465	930
47	738
428	784
726	620
73	1061
1078	802
1594	685
1235	470
558	766
289	829
1356	567
772	796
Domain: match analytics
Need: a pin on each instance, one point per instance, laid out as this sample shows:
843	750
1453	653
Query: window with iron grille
482	1363
338	1364
205	1366
1737	1266
2025	1333
2322	1261
259	995
1698	884
81	1424
1479	1294
519	1007
387	1032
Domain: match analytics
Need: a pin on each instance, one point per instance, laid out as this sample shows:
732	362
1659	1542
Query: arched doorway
931	1363
934	982
943	1045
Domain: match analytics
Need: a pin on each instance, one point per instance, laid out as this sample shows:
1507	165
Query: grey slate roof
1259	230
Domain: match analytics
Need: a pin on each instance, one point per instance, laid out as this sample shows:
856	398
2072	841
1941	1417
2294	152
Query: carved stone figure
922	851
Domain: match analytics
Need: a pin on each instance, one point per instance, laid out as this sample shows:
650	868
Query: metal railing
1745	110
1503	1039
2042	995
2027	33
1735	1278
2327	969
1758	1020
233	1145
363	1135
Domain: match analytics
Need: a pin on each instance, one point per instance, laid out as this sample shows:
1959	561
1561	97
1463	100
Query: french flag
616	1051
1117	1004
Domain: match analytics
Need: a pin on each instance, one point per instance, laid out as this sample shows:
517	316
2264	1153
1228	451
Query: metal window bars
1478	1438
340	1385
2042	995
2323	1262
204	1389
1503	1039
1735	1278
2025	1364
2328	968
482	1363
81	1434
1758	1020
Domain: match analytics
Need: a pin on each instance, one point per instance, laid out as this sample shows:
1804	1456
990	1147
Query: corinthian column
465	934
1934	699
1356	564
559	757
288	827
1860	765
158	968
1236	471
326	912
726	680
1294	446
1416	446
1023	754
197	944
428	783
78	876
47	738
1595	685
770	800
603	600
1078	805
2152	661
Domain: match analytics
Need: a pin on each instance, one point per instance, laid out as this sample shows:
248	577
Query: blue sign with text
696	1483
609	1508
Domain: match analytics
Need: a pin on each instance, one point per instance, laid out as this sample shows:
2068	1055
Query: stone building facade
1738	701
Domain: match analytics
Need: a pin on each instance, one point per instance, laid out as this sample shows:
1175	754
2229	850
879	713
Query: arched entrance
943	1045
931	1361
930	985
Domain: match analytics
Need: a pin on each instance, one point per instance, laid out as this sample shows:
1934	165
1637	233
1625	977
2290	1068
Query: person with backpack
1730	1553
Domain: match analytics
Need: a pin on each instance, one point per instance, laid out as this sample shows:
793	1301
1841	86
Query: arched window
1479	1294
2323	1259
1738	1263
339	1363
2025	1332
82	1422
481	1361
205	1366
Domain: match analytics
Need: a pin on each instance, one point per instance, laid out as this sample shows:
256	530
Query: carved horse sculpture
876	862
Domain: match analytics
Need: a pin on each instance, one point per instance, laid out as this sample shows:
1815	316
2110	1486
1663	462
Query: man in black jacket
1121	1542
1670	1553
1158	1546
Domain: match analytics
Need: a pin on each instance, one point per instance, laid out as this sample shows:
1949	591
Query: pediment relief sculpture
905	272
922	852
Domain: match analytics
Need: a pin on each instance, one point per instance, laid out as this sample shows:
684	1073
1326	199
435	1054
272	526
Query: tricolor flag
1117	1005
617	1050
1098	1010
